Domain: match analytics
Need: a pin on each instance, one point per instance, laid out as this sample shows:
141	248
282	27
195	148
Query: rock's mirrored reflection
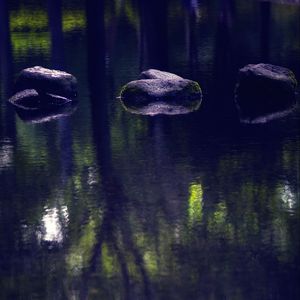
105	204
6	154
161	108
47	114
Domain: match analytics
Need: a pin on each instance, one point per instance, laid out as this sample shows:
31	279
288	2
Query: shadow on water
5	51
6	73
154	34
56	32
265	8
58	62
114	218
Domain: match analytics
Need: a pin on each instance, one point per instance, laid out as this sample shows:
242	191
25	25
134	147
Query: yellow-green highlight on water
81	252
195	204
26	20
30	29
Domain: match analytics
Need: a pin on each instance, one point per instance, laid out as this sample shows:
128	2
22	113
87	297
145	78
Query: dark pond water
104	204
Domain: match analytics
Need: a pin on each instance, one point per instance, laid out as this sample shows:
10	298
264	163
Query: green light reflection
195	204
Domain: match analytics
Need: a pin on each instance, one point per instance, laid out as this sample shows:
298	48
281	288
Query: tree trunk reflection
154	34
114	219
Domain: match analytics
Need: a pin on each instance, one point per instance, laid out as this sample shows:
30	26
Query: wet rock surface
265	92
157	74
161	92
30	100
32	107
26	99
47	81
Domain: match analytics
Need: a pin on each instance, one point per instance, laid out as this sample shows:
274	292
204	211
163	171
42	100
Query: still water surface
105	204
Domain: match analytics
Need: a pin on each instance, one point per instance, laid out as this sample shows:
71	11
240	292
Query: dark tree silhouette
7	128
114	218
154	34
265	8
57	41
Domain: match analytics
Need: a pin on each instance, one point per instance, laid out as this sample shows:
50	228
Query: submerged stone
32	107
265	92
47	81
26	99
31	100
161	93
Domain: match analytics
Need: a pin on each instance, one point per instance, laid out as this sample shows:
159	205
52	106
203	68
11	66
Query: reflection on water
52	229
288	198
195	204
103	204
6	154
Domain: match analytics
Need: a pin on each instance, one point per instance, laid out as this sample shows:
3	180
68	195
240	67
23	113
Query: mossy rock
161	93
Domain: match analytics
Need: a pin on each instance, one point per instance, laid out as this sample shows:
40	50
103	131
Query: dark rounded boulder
43	94
161	93
265	92
47	81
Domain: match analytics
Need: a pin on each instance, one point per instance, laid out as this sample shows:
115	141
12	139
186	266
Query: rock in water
157	74
44	94
47	81
27	100
35	108
265	92
31	100
161	92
